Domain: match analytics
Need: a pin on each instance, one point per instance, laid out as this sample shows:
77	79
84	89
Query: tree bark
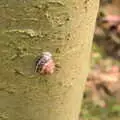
27	28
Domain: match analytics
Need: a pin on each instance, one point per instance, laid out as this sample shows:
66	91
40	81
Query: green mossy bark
28	27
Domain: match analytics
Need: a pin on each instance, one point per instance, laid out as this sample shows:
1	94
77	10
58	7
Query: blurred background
102	92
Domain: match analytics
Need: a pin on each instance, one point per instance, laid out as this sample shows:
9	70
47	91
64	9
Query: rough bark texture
27	28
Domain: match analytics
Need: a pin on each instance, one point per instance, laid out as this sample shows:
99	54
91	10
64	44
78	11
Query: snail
45	64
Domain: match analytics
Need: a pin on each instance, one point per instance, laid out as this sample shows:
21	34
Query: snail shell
45	64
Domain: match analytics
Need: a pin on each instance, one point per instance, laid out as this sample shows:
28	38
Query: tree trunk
29	27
